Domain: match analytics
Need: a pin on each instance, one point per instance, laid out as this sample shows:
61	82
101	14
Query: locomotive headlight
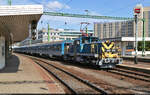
107	60
95	55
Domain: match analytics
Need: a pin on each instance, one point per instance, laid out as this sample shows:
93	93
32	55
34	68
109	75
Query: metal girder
86	16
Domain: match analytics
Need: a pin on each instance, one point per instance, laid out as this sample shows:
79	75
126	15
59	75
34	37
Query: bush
147	45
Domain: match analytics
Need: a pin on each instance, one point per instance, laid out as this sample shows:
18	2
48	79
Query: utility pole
30	35
48	33
136	42
9	2
143	42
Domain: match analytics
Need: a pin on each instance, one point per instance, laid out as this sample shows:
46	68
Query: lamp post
143	44
136	43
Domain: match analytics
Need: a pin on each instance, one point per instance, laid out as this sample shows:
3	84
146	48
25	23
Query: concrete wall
2	52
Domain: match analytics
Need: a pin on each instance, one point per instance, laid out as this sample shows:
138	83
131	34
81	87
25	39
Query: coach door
2	52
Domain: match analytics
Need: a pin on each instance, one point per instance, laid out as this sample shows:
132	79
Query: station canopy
16	19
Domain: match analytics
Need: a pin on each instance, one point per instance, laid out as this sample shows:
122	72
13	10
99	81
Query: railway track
131	74
95	82
75	84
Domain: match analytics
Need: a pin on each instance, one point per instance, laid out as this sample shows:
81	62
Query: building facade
114	29
123	32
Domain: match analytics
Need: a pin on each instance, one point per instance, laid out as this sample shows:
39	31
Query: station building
123	32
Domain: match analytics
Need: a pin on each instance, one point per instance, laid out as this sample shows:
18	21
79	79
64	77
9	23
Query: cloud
55	5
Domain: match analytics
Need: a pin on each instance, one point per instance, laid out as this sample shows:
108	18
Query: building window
104	29
110	30
130	29
98	30
117	29
61	38
129	45
123	29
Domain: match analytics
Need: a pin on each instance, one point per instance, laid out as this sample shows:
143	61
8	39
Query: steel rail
71	89
131	72
76	77
127	75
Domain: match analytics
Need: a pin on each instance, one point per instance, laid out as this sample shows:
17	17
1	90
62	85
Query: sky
116	8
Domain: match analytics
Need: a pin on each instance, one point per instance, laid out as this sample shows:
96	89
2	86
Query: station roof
16	19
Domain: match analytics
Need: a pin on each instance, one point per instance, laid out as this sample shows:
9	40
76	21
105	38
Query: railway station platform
22	76
141	66
140	58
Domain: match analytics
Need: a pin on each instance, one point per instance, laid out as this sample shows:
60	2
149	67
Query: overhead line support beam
86	16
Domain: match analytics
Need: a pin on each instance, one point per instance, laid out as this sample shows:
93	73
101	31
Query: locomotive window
77	42
94	39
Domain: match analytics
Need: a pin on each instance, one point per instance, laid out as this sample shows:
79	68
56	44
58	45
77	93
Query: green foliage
147	45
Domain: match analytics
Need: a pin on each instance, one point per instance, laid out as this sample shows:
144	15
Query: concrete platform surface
145	57
141	66
22	75
137	65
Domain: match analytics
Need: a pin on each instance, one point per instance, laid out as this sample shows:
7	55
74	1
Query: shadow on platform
12	65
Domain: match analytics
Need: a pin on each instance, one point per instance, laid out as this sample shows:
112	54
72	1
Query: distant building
123	32
59	34
55	35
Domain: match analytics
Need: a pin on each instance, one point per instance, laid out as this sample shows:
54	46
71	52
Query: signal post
137	11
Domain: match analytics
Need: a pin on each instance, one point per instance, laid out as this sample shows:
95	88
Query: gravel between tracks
111	82
106	82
